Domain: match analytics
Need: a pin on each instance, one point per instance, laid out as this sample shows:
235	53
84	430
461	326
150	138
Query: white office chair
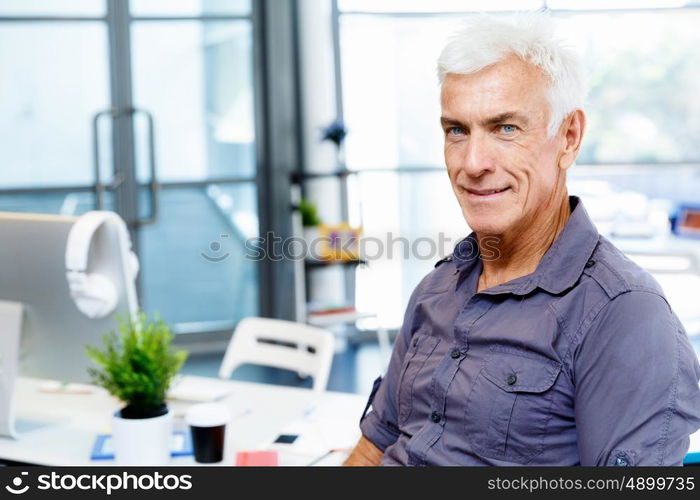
252	342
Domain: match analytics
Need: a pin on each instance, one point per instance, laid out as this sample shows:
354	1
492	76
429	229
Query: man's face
502	166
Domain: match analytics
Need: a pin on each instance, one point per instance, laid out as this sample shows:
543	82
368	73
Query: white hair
485	40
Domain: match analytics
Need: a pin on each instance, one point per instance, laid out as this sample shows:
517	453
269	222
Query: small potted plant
310	222
136	365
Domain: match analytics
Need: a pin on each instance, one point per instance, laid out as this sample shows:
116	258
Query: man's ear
571	132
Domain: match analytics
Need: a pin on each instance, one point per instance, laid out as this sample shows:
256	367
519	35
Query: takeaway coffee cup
207	423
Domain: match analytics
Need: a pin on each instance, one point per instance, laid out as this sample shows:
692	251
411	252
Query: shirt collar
466	253
560	267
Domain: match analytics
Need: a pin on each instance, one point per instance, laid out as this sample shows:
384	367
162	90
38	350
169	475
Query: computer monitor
38	302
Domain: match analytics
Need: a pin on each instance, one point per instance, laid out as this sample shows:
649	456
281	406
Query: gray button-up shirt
580	362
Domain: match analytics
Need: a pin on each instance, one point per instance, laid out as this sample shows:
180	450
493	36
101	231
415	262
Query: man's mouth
486	192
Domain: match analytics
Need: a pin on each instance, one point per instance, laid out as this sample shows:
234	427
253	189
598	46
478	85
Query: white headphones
94	294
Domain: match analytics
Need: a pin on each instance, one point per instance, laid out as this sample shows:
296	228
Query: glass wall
72	69
194	75
45	127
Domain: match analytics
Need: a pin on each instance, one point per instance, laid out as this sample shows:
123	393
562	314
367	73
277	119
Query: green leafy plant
136	364
309	214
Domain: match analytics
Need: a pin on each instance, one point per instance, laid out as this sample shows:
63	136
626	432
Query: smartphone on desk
285	439
292	441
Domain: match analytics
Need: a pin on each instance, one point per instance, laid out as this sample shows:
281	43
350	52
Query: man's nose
478	156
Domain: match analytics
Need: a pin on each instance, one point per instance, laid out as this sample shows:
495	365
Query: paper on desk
325	427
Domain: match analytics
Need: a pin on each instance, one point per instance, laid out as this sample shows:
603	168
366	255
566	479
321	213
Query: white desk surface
260	413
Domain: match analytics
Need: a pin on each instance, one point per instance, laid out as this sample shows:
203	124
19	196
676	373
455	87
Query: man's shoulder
616	273
629	304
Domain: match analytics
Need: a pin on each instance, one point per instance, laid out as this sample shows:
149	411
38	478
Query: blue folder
180	446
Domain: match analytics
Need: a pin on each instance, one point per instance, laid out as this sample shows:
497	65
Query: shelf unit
305	267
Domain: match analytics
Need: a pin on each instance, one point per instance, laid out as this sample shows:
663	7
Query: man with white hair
536	342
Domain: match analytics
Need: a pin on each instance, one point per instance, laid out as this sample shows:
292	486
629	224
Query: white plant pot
142	441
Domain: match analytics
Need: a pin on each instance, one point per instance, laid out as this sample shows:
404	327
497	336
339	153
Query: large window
643	107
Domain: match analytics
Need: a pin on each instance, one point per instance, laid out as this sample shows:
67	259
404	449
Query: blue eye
509	129
455	131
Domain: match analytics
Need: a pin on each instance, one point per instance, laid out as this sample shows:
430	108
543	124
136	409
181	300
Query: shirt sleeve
380	425
637	398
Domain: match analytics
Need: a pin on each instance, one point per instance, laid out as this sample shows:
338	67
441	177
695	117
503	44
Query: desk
693	456
74	420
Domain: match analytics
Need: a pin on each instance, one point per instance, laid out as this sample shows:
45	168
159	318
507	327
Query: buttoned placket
475	307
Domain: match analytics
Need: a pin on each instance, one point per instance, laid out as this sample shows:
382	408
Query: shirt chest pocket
510	404
422	346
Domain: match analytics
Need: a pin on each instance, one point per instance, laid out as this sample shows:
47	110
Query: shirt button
511	379
455	353
621	462
590	263
435	417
